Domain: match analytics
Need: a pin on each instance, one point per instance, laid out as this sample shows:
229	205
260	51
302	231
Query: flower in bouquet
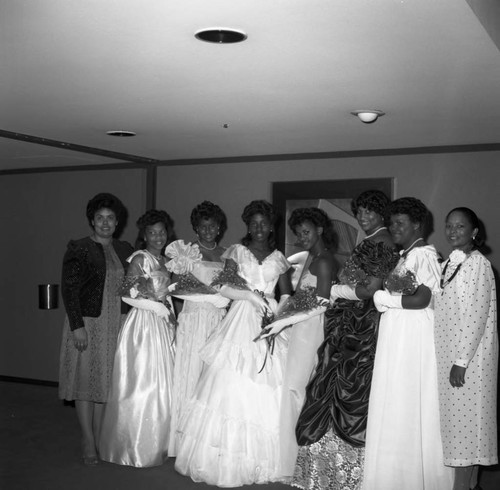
302	305
183	256
137	287
401	281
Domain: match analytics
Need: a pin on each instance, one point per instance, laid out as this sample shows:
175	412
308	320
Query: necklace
444	283
375	232
206	248
406	250
158	258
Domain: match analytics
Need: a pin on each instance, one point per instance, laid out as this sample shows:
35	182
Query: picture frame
332	196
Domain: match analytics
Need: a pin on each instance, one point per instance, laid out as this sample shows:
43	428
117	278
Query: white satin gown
229	434
136	420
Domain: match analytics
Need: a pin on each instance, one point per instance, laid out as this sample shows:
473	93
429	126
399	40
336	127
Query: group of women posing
391	386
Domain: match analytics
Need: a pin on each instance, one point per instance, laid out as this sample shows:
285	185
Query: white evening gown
229	435
196	322
304	340
403	439
136	420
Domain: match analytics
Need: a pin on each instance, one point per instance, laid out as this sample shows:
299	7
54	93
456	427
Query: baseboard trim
30	381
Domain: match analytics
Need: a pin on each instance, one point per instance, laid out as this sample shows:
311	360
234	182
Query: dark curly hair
414	208
150	218
479	240
265	209
108	201
209	210
318	218
373	200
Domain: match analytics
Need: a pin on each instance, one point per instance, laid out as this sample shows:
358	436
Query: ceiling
72	70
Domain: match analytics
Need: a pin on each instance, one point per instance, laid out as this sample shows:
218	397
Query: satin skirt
304	340
136	419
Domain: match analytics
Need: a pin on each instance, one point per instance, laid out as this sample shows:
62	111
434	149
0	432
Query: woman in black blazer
93	269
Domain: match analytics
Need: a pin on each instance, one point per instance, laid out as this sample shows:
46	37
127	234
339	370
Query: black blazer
83	276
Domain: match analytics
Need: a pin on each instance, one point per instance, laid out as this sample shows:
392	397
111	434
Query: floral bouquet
188	287
401	281
304	304
229	277
140	292
138	287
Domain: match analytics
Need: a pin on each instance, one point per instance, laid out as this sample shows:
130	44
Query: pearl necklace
406	250
207	248
375	232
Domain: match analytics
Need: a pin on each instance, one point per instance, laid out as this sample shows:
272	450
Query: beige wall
441	181
40	212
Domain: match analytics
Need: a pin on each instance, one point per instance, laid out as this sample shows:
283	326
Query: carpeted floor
39	449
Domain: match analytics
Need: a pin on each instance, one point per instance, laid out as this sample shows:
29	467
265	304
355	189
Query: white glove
343	291
384	300
217	300
246	295
146	304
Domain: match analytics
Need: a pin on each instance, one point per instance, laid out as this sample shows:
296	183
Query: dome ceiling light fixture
368	116
120	133
220	35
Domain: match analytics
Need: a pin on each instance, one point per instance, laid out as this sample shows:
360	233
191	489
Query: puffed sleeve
282	263
71	282
423	262
477	286
233	253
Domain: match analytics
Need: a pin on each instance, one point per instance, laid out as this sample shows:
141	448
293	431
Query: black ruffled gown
332	424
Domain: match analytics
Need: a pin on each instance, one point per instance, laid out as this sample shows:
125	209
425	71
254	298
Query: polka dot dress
466	334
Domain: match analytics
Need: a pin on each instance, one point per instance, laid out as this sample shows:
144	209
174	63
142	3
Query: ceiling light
120	133
368	116
220	35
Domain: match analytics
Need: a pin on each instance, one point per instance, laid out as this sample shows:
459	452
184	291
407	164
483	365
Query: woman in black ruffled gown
332	424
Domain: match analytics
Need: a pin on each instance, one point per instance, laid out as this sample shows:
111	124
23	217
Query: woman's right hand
260	303
80	339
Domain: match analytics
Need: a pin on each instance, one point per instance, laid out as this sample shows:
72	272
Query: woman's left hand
457	376
80	339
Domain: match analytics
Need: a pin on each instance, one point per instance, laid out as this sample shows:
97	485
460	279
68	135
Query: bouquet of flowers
138	287
188	287
140	292
230	277
304	304
402	281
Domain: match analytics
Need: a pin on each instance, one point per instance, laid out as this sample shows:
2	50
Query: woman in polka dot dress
467	351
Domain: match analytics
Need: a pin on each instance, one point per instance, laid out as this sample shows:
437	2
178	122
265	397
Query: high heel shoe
89	456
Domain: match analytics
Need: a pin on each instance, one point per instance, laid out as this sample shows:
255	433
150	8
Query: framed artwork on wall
332	196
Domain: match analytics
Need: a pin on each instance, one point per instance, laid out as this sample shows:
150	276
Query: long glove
384	300
277	326
246	295
217	300
146	304
343	291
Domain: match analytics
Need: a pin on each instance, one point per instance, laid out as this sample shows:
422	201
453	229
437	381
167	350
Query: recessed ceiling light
120	133
368	115
220	35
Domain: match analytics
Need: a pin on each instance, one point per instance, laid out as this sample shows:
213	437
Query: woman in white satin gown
197	320
315	234
136	420
229	434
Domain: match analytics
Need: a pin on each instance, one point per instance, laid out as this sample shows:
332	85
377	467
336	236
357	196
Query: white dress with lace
229	434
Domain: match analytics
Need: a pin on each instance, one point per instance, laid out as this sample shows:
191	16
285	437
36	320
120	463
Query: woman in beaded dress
314	231
199	319
331	426
467	351
93	267
403	439
136	419
229	434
